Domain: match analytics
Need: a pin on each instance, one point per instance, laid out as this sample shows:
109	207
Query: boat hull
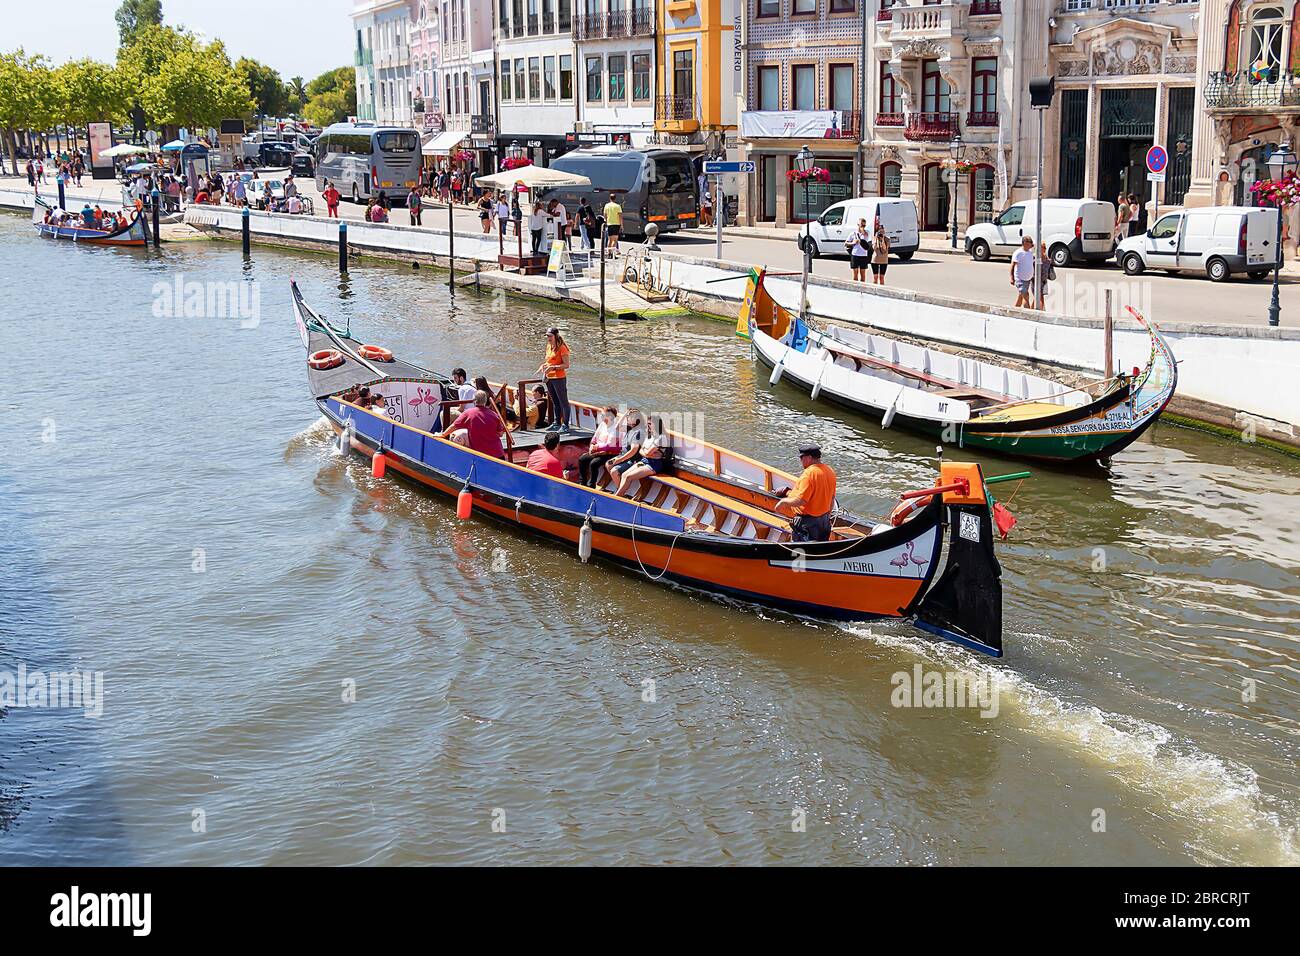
836	579
133	235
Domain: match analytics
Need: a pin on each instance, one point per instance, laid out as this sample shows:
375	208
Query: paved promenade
1078	292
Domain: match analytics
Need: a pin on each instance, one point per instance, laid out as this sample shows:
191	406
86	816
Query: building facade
615	56
363	28
536	80
802	87
947	120
467	83
698	75
426	95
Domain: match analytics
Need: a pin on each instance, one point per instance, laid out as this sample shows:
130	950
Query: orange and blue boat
707	523
134	233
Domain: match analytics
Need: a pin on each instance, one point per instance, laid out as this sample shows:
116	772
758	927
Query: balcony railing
982	119
1228	91
933	20
616	23
363	57
891	119
985	8
674	108
588	26
641	23
930	127
482	125
548	22
533	22
517	27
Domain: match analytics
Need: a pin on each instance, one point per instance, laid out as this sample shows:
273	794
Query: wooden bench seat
719	502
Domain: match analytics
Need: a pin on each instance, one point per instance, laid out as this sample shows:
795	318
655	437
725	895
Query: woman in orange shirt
555	369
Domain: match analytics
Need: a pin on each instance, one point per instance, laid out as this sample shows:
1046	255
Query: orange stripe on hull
852	595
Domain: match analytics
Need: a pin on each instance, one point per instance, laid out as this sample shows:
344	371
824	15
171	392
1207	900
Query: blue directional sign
714	167
1157	159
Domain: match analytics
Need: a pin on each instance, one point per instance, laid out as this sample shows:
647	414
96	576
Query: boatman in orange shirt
811	500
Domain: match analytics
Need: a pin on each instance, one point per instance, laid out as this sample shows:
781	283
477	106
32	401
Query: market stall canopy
142	168
444	142
532	177
175	146
124	149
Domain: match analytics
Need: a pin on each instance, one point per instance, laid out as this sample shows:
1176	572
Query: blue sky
305	38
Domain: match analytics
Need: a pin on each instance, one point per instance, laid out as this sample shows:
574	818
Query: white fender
584	541
892	410
345	439
778	368
828	361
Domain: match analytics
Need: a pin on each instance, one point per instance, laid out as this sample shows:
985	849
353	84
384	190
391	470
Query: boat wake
1227	817
315	435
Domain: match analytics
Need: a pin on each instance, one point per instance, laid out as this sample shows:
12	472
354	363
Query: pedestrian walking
706	208
879	254
586	218
1048	270
1134	214
1121	217
1022	273
414	206
502	212
31	174
613	224
331	197
537	226
485	208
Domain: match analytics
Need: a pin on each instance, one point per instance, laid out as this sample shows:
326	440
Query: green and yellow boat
960	401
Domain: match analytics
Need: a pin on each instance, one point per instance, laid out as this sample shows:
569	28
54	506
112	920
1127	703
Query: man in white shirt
1022	273
464	390
294	205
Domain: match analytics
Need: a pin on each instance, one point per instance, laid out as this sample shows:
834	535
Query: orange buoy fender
325	358
376	353
464	503
378	464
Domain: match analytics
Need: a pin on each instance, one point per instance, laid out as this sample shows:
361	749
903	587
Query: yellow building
699	70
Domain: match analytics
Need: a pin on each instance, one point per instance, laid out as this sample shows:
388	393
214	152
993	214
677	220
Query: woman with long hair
554	369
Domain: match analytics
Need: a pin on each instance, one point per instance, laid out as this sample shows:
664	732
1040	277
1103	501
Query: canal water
305	665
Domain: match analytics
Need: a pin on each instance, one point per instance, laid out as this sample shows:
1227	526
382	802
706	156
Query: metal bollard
156	196
243	229
343	246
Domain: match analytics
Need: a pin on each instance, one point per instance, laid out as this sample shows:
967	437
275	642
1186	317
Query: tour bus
653	185
362	160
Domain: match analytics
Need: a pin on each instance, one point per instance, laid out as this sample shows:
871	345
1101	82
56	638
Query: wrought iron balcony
548	22
534	22
674	108
1239	91
930	127
641	22
616	23
483	124
982	119
588	26
891	119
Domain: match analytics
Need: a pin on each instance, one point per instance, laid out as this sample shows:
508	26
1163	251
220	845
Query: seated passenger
464	390
650	460
544	459
483	424
604	446
350	395
631	432
377	404
539	413
512	420
88	216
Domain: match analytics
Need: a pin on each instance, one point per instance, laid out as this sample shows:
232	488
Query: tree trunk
13	157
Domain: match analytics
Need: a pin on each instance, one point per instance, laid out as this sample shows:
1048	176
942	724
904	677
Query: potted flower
814	174
517	163
960	166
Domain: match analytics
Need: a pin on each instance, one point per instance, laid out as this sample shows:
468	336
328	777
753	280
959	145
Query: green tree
24	98
180	82
297	93
264	86
134	15
85	91
331	97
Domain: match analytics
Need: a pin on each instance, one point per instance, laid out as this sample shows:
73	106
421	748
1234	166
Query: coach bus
362	160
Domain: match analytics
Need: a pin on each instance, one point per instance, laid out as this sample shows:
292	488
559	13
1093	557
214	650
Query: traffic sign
714	167
1157	159
1155	177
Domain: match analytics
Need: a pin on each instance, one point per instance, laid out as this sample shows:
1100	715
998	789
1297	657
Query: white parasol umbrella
531	177
124	149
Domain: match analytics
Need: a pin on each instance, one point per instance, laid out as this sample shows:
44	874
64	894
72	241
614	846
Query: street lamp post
516	152
1282	161
803	162
956	149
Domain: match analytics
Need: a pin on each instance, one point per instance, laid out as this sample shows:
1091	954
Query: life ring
325	358
905	510
376	352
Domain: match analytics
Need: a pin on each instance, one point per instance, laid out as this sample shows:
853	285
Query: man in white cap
812	498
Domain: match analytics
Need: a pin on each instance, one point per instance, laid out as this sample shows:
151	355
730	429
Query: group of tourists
1022	273
449	185
90	217
868	249
1128	210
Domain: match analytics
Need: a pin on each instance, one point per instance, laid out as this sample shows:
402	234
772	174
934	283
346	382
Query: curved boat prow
965	604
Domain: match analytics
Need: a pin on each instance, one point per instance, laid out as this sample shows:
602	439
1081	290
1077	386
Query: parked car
303	165
826	234
1075	230
274	153
1216	240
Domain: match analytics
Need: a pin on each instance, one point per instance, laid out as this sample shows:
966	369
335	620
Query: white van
826	233
1218	240
1075	230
